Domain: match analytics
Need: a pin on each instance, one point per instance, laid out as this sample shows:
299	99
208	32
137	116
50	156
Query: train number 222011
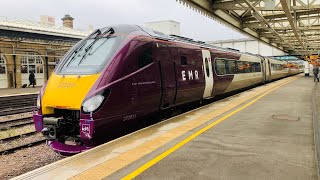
132	116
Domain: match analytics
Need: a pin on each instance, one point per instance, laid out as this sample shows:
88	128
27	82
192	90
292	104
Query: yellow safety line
180	144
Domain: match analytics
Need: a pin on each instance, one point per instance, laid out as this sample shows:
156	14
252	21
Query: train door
269	70
168	76
263	70
208	74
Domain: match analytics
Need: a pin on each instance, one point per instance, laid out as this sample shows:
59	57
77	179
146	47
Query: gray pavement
271	139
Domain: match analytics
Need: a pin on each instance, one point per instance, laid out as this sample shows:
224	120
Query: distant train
121	74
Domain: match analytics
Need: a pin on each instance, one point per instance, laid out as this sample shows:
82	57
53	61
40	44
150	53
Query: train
121	74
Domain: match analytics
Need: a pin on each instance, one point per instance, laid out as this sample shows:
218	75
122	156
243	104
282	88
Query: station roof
30	27
292	26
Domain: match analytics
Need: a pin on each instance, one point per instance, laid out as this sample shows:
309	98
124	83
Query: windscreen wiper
97	31
79	48
104	34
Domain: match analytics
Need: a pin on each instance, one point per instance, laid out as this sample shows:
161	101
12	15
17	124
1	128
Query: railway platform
268	132
19	91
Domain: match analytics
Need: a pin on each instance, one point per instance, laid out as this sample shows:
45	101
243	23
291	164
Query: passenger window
241	67
231	67
258	67
220	67
145	58
183	60
247	67
207	67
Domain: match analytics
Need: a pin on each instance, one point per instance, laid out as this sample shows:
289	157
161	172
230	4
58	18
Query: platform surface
19	91
263	133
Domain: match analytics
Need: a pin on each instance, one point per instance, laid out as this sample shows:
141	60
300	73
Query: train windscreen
90	57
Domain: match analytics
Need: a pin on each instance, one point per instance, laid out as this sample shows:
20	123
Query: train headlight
38	102
92	103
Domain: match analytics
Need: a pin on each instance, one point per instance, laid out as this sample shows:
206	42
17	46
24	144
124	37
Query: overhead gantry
290	25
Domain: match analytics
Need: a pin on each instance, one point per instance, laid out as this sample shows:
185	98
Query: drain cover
285	117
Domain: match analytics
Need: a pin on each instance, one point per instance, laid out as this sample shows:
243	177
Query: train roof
186	40
125	28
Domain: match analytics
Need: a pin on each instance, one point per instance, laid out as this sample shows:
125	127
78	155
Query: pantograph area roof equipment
289	25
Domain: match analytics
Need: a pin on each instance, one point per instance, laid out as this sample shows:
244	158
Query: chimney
67	21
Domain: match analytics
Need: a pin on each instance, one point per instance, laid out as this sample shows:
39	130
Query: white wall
251	46
241	46
167	27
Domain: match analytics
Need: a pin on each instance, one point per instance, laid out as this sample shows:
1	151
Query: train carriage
121	74
278	69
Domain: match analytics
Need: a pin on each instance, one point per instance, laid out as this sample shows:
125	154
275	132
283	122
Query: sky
100	13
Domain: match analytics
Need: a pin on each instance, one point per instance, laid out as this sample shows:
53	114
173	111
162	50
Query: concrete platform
253	144
263	133
19	91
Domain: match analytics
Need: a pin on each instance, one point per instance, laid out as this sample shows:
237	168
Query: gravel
26	160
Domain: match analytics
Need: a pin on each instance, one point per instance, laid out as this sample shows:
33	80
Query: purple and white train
121	74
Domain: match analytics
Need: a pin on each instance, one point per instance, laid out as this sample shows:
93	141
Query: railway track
5	125
12	138
22	146
17	104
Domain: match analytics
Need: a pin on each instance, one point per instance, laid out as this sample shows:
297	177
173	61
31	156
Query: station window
145	58
220	66
183	61
2	65
56	60
31	63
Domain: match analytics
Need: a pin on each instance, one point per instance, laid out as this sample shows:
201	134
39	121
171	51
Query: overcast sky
99	13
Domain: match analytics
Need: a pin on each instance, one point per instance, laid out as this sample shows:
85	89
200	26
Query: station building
27	46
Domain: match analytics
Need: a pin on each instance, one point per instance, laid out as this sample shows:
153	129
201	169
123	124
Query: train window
90	57
207	67
220	67
183	61
241	67
255	67
248	67
258	67
230	67
145	58
277	67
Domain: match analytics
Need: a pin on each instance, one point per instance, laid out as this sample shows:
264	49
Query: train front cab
72	109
